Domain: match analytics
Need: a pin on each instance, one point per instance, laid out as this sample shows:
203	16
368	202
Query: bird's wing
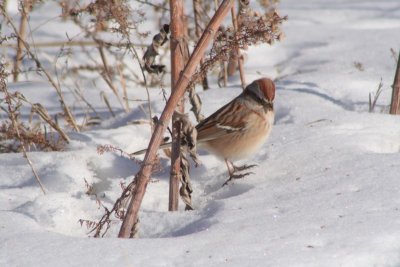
227	120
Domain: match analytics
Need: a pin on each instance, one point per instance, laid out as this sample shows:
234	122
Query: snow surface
325	193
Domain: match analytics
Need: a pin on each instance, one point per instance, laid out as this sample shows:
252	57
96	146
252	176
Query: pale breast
242	144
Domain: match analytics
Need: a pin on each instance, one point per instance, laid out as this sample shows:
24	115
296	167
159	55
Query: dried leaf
153	51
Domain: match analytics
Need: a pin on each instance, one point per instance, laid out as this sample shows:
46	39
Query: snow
325	192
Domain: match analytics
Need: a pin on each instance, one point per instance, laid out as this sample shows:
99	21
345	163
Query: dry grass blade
372	102
108	77
42	112
105	98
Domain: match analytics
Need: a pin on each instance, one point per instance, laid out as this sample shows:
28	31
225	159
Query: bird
238	129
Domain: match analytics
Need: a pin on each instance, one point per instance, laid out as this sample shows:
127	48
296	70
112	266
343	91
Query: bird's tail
162	146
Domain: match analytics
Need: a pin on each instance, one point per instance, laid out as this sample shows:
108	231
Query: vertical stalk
196	11
25	9
143	177
107	77
177	65
224	65
216	4
395	104
239	56
5	5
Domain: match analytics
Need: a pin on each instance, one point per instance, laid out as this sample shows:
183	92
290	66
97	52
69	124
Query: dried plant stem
225	73
26	6
216	4
224	65
395	103
31	165
238	54
71	43
49	78
124	88
108	78
196	11
153	5
143	176
177	65
254	30
78	92
372	103
136	55
117	209
105	98
13	119
42	112
394	55
4	5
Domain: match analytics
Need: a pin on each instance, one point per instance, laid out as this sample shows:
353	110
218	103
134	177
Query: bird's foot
243	167
232	170
236	176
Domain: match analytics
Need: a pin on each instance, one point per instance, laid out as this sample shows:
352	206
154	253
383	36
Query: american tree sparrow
240	128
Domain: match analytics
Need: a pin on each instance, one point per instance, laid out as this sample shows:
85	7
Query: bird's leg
232	170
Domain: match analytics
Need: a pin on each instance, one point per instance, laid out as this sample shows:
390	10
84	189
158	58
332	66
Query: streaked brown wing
226	120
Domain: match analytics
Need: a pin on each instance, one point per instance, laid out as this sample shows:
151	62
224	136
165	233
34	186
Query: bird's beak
269	103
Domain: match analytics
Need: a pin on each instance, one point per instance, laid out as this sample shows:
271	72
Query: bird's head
263	89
